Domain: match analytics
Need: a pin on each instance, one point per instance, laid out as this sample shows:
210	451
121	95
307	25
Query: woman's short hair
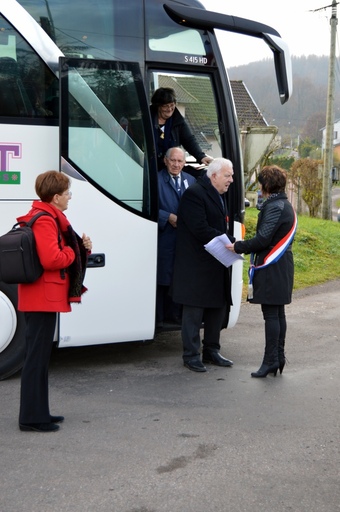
50	183
273	179
163	96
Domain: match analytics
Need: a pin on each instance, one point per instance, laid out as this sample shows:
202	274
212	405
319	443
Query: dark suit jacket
199	279
168	200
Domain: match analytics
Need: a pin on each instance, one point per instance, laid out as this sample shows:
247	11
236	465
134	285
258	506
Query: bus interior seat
14	100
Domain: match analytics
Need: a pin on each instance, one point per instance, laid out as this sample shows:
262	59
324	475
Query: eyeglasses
67	193
169	106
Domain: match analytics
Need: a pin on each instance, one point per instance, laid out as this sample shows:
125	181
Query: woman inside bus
63	255
171	129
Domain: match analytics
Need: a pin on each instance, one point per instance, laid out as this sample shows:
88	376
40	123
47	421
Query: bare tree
306	176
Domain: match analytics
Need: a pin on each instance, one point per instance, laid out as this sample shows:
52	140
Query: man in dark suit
200	282
172	183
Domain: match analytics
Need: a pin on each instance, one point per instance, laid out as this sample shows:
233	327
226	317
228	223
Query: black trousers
192	318
34	402
275	321
275	330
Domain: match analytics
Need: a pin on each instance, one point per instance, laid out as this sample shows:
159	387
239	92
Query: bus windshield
100	29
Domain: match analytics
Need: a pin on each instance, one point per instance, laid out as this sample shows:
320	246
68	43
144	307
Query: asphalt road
144	434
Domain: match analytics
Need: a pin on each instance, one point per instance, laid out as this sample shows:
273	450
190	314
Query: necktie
177	185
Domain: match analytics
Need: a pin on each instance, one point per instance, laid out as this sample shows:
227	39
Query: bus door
107	149
201	101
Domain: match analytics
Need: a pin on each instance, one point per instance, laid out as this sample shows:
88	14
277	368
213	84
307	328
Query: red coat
50	291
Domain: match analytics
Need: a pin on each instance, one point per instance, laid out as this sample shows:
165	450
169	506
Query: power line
325	7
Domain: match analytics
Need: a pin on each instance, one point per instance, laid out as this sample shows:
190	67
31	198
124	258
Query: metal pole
326	209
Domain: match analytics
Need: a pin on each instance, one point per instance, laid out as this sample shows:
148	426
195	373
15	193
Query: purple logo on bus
9	151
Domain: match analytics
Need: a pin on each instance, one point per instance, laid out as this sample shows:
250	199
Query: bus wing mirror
208	20
283	65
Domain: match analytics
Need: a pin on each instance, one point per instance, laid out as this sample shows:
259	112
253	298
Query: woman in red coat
63	256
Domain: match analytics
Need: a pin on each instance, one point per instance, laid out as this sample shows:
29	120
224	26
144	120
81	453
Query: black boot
266	368
282	357
270	363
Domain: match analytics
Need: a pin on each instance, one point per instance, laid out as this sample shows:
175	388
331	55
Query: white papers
217	248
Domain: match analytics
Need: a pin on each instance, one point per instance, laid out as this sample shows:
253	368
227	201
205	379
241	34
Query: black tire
12	357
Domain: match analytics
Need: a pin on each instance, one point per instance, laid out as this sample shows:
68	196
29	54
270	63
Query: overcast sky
306	32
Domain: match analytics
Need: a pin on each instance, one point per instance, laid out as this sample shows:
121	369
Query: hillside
305	112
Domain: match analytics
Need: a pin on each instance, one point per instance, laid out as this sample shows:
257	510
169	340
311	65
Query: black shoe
217	359
264	369
56	419
38	427
195	365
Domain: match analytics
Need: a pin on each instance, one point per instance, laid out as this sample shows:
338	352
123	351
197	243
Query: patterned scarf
77	269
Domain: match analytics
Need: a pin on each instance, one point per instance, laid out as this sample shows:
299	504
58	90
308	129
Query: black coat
272	284
177	133
199	279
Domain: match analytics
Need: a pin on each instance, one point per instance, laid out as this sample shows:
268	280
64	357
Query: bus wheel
12	332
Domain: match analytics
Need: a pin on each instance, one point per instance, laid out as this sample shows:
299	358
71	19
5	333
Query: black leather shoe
38	427
217	359
195	365
56	419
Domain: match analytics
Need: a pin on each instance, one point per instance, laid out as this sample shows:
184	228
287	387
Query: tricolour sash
273	256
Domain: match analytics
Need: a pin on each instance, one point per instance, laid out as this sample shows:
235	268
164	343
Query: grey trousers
192	318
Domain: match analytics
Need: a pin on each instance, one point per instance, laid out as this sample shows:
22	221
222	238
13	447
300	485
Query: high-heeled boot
282	356
270	363
266	368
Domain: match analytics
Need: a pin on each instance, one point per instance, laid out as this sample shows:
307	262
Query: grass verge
316	249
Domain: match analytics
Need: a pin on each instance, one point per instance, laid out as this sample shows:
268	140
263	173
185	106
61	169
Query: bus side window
28	88
42	86
14	101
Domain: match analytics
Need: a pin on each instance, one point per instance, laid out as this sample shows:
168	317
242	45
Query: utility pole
326	208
